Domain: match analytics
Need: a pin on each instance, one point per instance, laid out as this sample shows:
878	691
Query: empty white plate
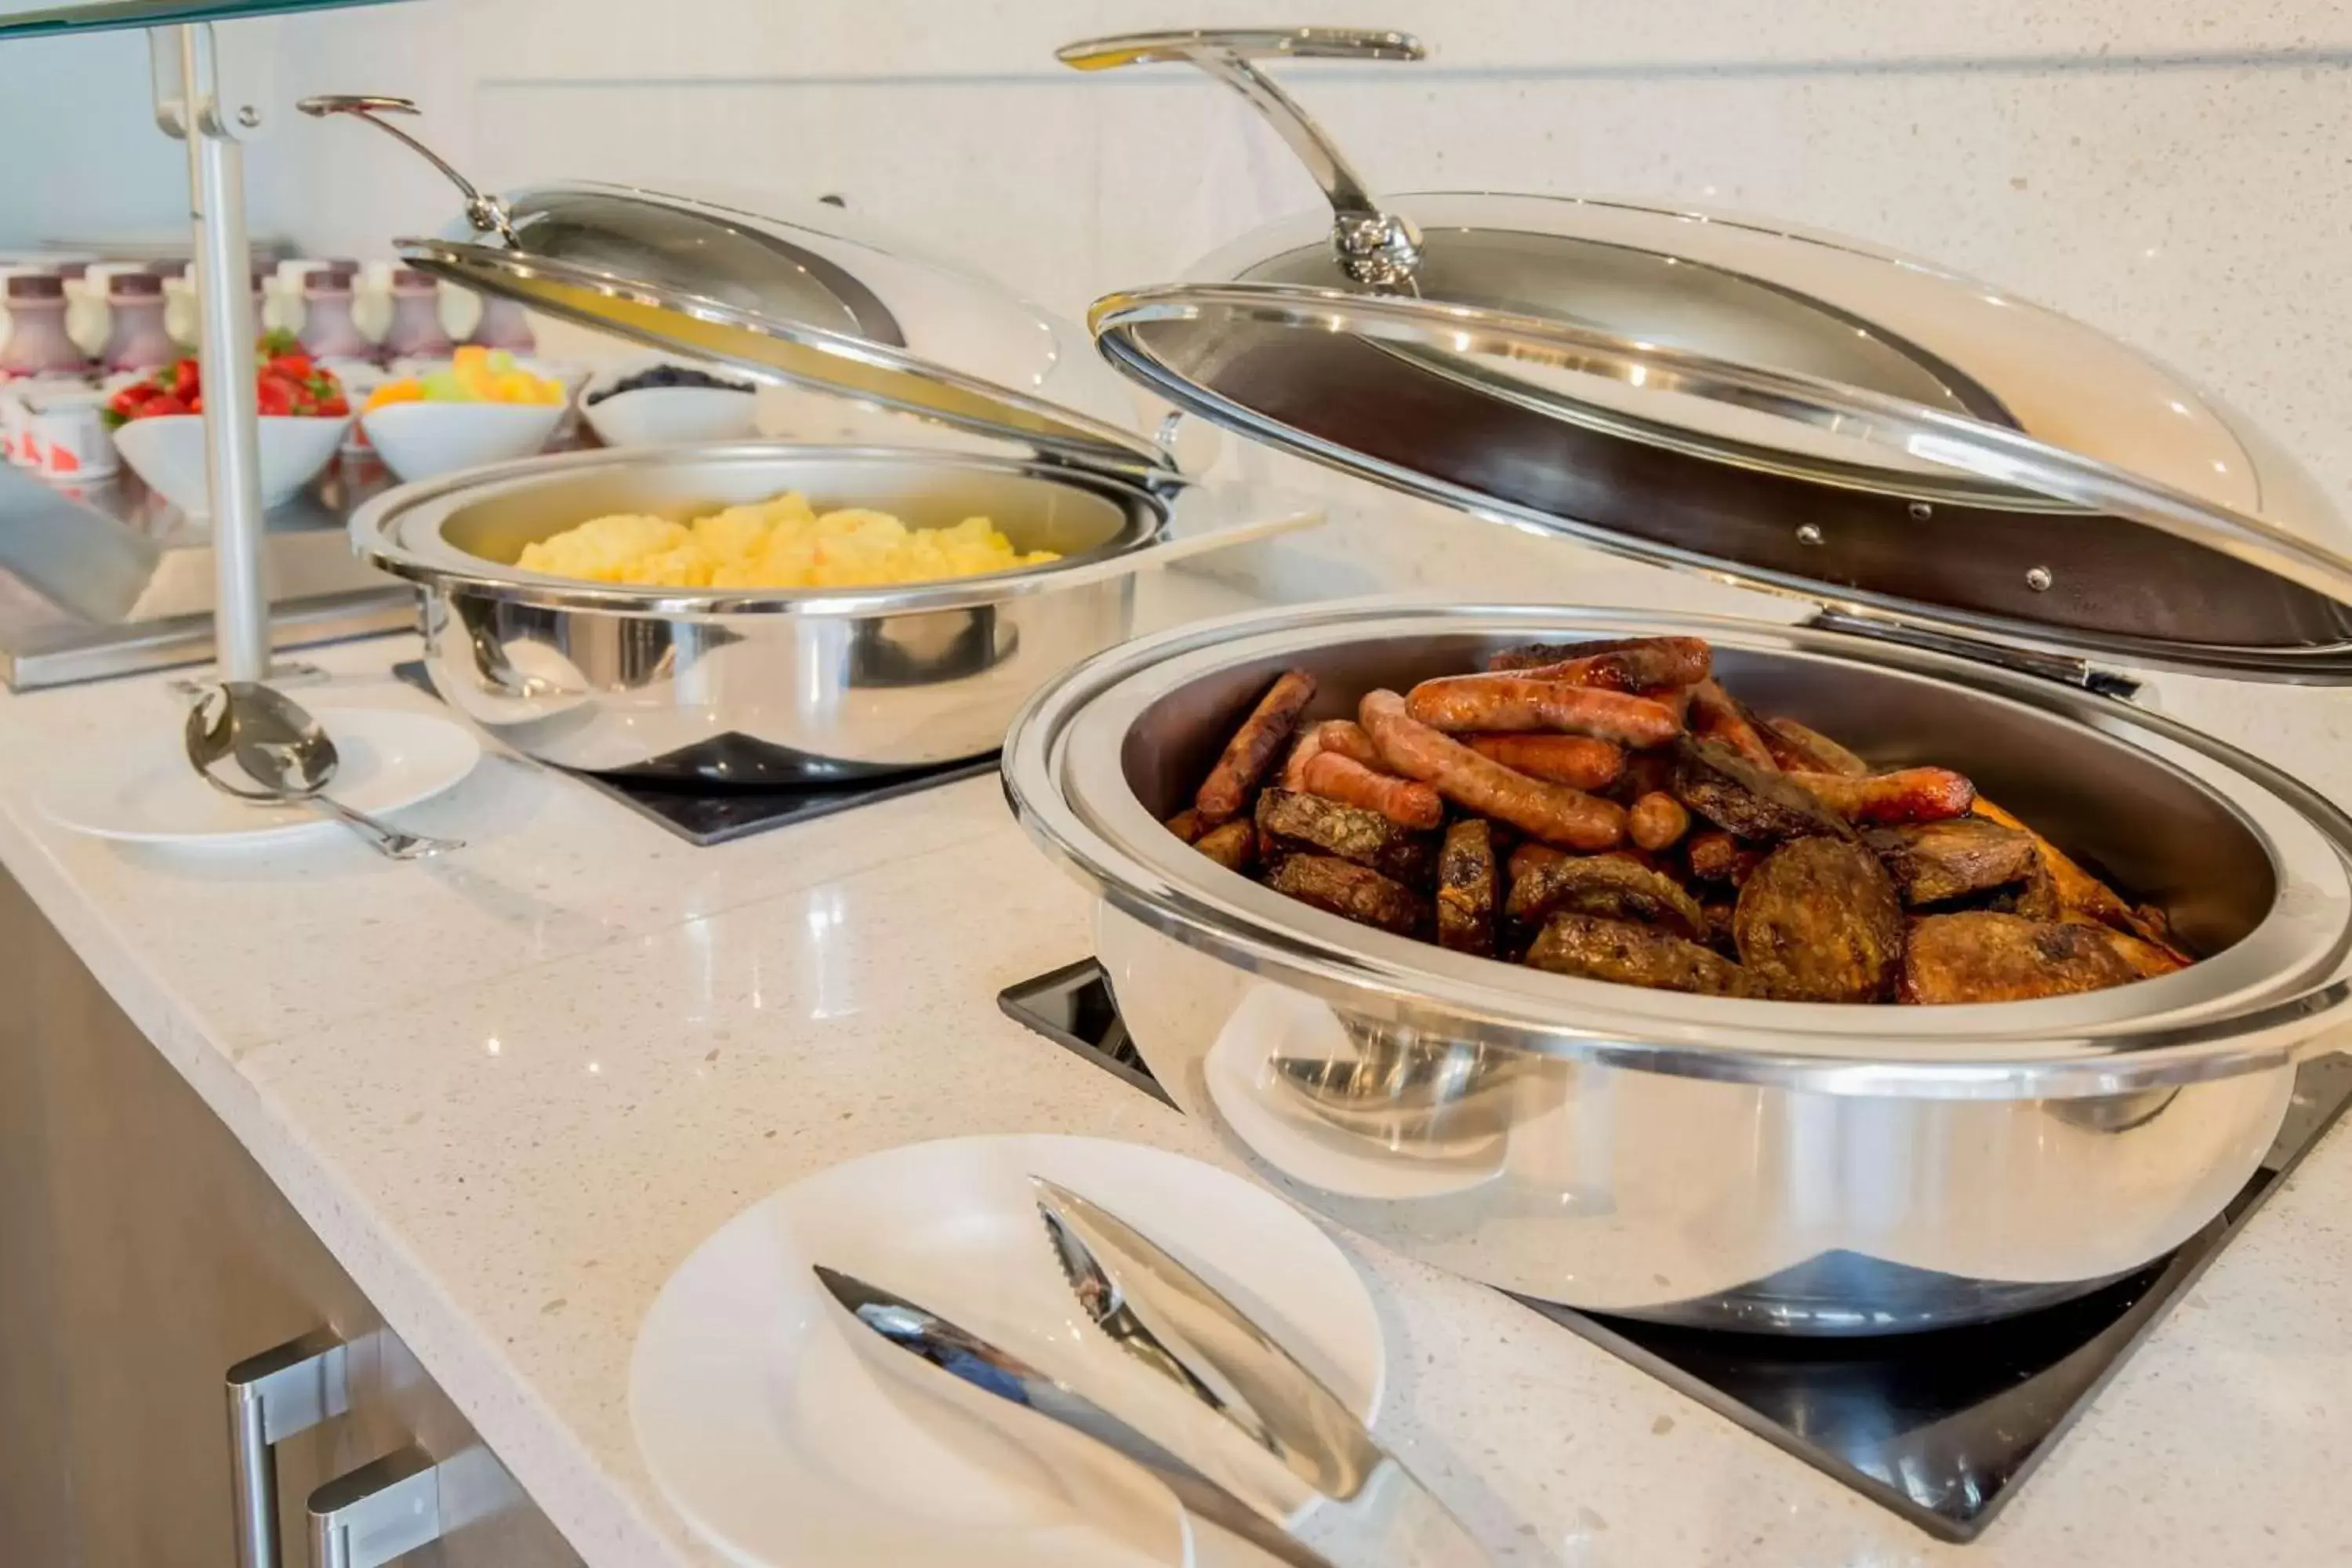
784	1444
148	793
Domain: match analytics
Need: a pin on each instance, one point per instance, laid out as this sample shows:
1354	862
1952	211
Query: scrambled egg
780	543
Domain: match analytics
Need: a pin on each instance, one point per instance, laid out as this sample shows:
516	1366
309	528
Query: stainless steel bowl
1771	1166
766	686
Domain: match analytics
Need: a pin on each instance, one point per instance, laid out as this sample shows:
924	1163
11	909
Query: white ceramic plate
147	793
784	1444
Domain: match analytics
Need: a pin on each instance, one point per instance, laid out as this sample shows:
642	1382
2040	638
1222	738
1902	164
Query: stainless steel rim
397	533
2251	1008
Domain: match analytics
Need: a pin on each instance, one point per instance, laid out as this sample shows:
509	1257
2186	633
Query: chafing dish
1992	507
1772	1165
759	687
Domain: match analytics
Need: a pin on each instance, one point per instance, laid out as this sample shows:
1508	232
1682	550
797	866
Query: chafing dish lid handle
1374	245
485	212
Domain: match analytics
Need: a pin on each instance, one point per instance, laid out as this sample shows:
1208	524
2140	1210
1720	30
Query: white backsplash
2170	172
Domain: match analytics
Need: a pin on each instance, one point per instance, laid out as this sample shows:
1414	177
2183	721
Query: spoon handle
384	839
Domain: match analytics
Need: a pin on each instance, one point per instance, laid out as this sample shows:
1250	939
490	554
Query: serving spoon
257	745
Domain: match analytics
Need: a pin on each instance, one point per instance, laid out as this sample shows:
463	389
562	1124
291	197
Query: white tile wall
2172	172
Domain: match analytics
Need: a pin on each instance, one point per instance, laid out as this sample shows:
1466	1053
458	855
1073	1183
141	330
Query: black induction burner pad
1939	1426
704	813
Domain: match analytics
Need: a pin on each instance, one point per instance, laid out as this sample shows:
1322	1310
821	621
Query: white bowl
666	416
420	440
168	452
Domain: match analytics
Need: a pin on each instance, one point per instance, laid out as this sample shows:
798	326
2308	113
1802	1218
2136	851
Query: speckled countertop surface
513	1090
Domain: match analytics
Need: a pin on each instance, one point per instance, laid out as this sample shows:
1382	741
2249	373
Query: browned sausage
1674	700
1186	824
1634	667
1553	813
1717	715
1635	956
1577	760
1233	846
1716	855
1303	751
1347	737
1467	887
1405	802
1344	736
1535	655
1226	792
1906	795
1356	892
1803	749
1646	773
1657	821
1471	703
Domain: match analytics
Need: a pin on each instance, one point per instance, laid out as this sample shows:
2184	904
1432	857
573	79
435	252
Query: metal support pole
223	268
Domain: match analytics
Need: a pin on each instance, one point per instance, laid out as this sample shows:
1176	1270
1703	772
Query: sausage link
1674	700
1344	736
1657	821
1801	749
1404	802
1252	750
1634	667
1470	703
1717	715
1554	812
1716	855
1906	795
1575	760
1536	655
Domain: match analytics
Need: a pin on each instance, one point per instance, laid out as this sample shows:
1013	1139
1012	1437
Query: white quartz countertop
512	1089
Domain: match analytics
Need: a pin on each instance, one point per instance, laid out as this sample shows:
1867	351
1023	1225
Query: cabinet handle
271	1397
384	1509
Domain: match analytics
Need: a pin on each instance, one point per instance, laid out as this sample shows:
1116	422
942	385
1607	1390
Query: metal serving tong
979	1364
1298	1438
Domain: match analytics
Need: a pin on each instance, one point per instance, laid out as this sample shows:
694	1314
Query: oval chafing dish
1762	1165
776	686
1991	505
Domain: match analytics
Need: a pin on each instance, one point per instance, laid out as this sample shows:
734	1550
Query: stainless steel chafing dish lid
808	298
1787	409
